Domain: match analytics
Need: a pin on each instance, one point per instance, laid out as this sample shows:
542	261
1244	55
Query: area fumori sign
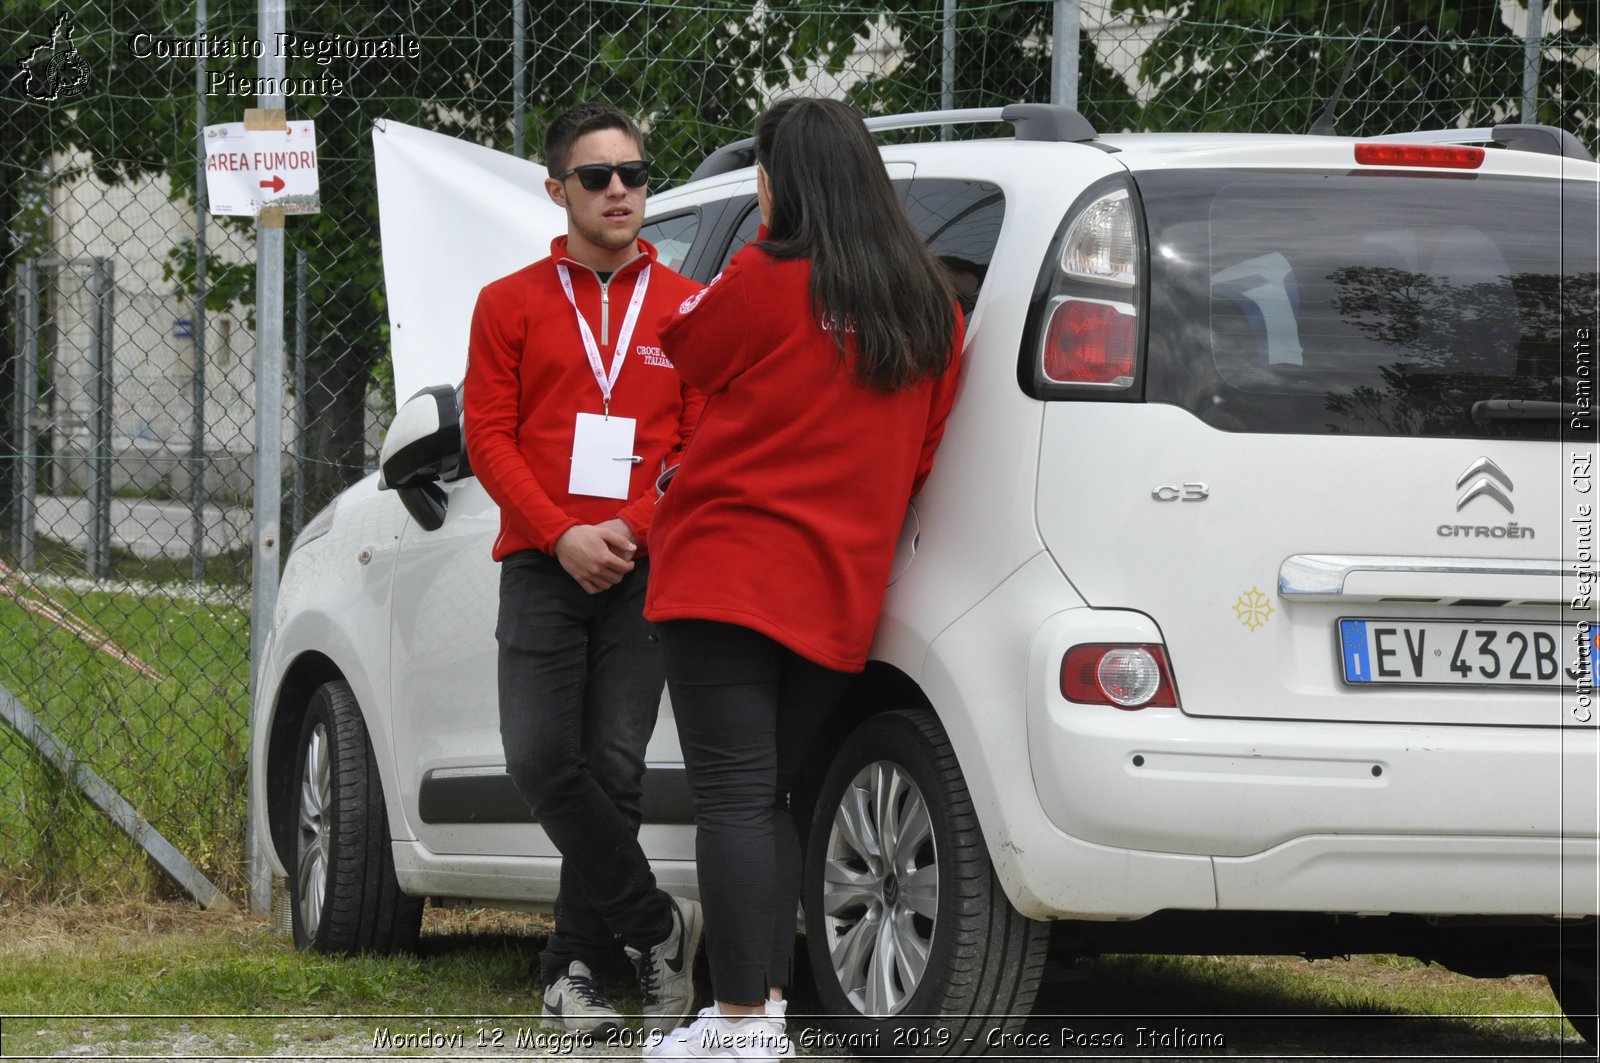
251	168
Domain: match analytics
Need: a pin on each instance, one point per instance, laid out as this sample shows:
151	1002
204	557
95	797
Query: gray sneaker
666	972
576	1002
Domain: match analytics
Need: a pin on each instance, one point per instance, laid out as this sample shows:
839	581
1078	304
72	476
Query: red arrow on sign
276	184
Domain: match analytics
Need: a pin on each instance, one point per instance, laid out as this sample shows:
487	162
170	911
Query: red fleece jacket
784	514
528	378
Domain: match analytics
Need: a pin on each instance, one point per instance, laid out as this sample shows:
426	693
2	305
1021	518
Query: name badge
602	456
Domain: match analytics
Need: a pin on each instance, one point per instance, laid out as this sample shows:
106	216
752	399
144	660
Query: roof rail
1048	121
1032	121
1540	139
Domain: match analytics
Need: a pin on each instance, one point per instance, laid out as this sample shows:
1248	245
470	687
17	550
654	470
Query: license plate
1437	653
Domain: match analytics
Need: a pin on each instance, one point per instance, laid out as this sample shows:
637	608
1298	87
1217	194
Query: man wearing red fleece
571	412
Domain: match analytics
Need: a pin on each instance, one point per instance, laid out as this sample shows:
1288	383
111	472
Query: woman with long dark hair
826	352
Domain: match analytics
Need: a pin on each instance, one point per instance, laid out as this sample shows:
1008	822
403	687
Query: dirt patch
35	932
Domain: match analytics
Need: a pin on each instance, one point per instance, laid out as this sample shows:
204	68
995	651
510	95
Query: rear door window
1367	303
959	220
672	237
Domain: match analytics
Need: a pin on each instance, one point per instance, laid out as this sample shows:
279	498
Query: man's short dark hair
589	117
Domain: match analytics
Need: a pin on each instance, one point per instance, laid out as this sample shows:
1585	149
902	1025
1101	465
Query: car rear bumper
1095	813
1321	815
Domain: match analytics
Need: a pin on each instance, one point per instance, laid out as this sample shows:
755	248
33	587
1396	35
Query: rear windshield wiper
1486	410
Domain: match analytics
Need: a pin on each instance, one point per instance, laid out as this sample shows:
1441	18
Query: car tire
1577	993
342	887
894	834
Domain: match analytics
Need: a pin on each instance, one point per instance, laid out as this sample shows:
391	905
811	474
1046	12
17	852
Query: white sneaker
778	1012
666	972
714	1036
576	1002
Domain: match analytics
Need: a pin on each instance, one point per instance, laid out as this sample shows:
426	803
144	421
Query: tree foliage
697	75
128	118
1273	65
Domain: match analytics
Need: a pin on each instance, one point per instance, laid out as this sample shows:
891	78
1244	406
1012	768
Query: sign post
264	167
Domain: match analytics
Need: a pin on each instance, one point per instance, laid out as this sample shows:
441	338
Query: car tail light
1090	332
1438	156
1100	244
1088	342
1127	676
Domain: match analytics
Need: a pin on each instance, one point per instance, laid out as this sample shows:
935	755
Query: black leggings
746	709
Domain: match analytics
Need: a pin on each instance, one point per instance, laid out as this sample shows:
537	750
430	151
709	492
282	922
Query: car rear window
1367	303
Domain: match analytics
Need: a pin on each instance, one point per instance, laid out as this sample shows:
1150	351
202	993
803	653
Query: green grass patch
173	745
169	980
1373	1006
161	980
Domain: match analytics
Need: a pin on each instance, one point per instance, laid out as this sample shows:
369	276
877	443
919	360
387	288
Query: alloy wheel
880	893
316	796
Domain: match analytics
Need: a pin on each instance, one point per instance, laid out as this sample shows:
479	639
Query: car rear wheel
904	915
342	886
1577	989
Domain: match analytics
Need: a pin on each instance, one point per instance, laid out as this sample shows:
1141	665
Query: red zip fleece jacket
528	378
784	514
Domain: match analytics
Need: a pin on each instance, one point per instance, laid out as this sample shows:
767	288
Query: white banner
453	216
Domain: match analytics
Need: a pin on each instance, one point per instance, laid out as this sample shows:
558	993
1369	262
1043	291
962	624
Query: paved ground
146	529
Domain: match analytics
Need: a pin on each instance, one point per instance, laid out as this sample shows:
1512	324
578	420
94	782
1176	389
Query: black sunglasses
596	176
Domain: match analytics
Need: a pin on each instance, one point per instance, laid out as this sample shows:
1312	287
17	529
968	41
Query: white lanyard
592	349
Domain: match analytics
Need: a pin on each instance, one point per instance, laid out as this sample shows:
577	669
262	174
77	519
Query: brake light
1089	338
1127	676
1438	156
1089	342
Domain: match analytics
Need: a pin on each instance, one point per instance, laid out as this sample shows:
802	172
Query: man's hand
597	555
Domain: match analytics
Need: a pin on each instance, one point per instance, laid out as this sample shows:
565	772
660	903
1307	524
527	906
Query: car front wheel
342	886
904	916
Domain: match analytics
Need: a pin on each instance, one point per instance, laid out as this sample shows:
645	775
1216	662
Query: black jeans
746	708
580	683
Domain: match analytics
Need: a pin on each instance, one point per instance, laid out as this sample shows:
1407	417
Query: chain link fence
127	371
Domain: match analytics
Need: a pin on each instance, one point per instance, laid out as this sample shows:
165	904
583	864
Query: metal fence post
297	512
19	338
947	66
27	425
108	397
1532	44
91	526
99	525
519	59
268	501
1064	53
197	375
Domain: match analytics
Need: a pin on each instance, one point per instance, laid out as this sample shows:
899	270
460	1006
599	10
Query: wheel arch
880	688
309	671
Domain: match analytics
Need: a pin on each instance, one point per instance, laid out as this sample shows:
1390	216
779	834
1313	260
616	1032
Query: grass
1363	1005
158	980
93	975
173	746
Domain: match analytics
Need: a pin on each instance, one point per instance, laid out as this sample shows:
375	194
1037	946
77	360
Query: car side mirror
423	446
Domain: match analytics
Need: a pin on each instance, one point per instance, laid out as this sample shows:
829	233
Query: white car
1247	609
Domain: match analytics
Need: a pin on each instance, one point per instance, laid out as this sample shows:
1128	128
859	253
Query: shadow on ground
1152	1007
